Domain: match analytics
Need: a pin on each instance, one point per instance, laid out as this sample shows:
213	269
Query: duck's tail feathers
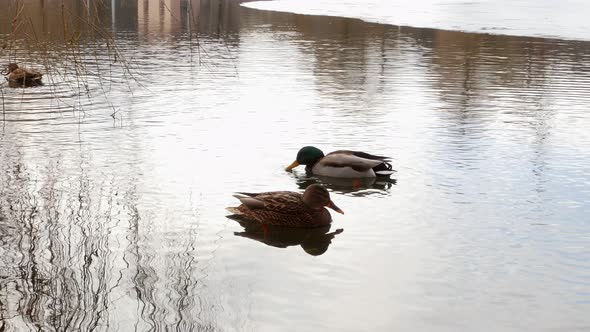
370	156
234	210
384	173
248	201
384	169
239	195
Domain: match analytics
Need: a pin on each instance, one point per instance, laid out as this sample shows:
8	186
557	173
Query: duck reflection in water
353	187
314	241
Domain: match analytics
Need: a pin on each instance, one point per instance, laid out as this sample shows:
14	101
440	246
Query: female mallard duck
286	208
342	163
22	76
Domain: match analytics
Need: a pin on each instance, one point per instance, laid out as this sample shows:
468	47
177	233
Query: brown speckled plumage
22	76
285	208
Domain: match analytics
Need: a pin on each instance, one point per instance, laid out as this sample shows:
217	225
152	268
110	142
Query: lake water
115	174
565	19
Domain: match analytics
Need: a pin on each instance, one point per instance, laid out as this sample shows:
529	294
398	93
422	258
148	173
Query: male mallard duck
286	208
342	163
22	76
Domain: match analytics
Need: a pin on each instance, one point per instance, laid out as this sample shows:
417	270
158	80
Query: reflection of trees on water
79	41
145	16
357	57
351	61
60	253
205	17
473	71
166	286
76	254
486	80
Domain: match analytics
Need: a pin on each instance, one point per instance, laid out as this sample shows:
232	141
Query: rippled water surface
540	18
115	174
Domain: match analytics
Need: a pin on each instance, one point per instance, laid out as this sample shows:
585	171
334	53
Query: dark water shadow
23	84
314	241
351	187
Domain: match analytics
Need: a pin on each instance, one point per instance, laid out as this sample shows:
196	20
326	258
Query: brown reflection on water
520	84
314	241
38	20
73	27
163	16
175	17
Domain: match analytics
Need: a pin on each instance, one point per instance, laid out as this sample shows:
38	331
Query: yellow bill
293	165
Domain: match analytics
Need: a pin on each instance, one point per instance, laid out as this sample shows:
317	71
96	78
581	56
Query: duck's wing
21	73
349	160
361	154
383	168
267	193
285	202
